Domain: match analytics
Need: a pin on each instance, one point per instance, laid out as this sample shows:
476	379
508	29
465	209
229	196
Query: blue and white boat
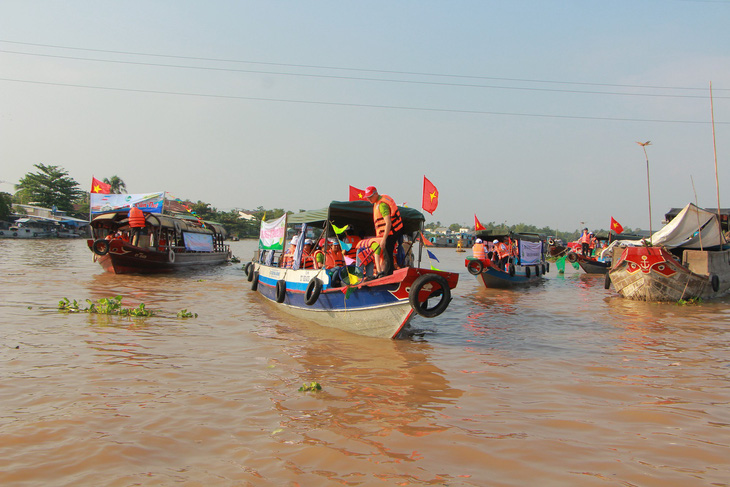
340	297
527	263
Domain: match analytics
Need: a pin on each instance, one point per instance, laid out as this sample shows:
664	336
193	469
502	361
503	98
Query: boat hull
653	274
492	277
377	308
124	258
589	264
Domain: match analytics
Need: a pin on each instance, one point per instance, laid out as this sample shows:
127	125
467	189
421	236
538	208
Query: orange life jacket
502	249
307	261
136	218
585	238
396	223
287	260
479	251
334	258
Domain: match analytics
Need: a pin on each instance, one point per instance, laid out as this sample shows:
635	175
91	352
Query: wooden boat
340	298
528	266
688	258
166	244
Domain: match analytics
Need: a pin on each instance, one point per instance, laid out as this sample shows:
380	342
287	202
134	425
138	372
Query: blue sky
519	111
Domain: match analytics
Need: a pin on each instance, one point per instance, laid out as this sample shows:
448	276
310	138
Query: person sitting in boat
368	257
307	255
479	250
503	253
585	243
287	259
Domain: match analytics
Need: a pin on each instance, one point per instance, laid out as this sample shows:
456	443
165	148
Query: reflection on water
563	382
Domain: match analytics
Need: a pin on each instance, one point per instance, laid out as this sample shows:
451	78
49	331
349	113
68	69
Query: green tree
118	186
6	203
49	187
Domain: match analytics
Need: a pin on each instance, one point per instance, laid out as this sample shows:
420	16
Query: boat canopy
119	219
692	228
488	236
357	214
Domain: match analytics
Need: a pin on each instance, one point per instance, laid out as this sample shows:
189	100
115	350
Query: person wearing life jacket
307	255
368	256
502	253
585	243
287	259
388	225
593	243
479	250
136	223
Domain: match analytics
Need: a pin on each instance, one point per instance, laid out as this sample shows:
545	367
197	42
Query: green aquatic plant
184	313
689	301
314	386
106	306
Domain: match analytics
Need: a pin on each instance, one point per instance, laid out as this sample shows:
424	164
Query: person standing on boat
479	251
502	253
585	243
136	223
388	225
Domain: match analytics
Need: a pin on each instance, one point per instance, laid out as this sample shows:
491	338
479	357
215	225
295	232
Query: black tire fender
607	281
248	270
475	267
572	257
255	281
543	270
547	267
527	272
314	288
715	282
100	247
443	289
537	271
280	290
511	270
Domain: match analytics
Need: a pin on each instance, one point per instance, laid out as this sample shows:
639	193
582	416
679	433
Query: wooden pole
648	185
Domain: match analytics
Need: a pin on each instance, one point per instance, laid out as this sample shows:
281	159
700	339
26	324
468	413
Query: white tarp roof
682	231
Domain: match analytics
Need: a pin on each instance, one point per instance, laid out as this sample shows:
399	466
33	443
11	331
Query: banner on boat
530	252
147	202
198	242
271	236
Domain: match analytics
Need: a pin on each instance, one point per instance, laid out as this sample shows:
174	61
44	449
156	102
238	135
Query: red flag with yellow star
99	187
356	194
477	224
430	196
616	226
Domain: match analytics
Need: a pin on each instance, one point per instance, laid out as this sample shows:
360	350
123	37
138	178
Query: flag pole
648	185
714	148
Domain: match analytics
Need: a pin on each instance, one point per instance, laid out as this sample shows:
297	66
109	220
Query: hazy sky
520	111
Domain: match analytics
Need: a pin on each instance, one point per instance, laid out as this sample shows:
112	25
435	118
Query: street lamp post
648	185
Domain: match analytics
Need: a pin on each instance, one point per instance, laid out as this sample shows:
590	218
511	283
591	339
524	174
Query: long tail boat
340	297
688	258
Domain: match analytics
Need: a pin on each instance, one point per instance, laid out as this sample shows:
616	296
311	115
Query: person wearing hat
307	257
287	259
479	250
388	225
502	253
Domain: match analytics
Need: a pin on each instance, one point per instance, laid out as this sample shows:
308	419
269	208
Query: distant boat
339	297
527	266
167	243
688	258
592	264
29	228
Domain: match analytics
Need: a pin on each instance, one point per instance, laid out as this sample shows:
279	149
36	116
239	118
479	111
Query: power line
308	66
357	105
